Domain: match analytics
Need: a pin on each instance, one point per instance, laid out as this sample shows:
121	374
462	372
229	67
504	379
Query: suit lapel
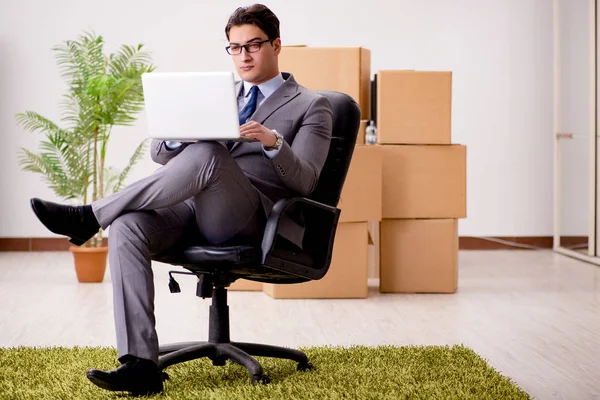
282	96
278	99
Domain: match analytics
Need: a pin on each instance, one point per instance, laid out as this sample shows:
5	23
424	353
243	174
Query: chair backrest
346	120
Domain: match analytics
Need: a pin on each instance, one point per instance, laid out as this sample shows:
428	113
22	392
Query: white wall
499	51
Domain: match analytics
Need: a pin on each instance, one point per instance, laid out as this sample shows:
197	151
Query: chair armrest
320	226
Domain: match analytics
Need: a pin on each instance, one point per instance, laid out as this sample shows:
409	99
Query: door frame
558	136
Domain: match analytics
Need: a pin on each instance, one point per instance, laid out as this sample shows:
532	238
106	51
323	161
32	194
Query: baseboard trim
37	244
465	243
517	242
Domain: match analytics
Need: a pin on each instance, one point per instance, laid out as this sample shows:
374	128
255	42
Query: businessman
225	191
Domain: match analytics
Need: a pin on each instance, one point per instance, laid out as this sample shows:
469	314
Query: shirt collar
266	88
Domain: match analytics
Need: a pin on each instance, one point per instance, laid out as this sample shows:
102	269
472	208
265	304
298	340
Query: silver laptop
191	106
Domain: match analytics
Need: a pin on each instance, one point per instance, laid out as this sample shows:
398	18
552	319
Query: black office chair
276	261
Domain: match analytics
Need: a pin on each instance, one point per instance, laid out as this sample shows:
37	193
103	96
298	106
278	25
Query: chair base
219	347
240	353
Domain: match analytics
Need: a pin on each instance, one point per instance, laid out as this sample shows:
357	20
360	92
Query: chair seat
239	261
221	255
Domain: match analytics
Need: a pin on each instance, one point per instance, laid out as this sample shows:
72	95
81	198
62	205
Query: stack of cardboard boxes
346	70
424	182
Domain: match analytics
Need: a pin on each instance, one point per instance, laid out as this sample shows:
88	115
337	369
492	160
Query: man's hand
254	130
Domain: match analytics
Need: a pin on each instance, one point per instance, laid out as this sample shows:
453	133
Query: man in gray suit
224	191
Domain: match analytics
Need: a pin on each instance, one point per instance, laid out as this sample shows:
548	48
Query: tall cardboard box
347	275
424	181
414	107
360	200
419	256
343	69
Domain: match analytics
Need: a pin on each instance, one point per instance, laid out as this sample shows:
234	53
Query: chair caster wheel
264	379
305	367
164	376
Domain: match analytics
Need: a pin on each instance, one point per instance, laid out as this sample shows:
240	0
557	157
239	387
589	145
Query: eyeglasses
252	47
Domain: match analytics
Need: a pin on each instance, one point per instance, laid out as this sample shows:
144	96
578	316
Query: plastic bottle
371	133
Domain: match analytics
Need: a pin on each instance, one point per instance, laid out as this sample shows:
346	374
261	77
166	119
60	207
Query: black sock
90	218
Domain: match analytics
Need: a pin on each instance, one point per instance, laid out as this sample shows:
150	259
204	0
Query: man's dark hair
258	15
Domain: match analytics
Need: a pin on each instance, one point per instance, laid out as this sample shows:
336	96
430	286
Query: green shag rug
359	372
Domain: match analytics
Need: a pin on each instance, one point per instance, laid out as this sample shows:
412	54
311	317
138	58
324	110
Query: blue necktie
250	107
248	110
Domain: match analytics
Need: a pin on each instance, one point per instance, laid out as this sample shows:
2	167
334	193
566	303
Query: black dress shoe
77	222
139	377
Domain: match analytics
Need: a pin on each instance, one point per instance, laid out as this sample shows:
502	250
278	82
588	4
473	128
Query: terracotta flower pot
90	263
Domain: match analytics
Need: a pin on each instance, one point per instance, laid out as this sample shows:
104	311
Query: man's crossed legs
203	185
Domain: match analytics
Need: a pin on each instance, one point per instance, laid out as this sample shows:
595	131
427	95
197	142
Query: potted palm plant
103	91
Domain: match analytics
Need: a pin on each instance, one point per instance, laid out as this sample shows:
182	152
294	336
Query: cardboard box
362	132
419	256
244	285
424	181
414	107
343	69
360	200
347	275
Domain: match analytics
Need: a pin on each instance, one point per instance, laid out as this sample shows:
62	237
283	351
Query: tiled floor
534	315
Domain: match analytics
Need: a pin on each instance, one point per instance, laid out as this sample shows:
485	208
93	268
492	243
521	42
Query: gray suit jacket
304	119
